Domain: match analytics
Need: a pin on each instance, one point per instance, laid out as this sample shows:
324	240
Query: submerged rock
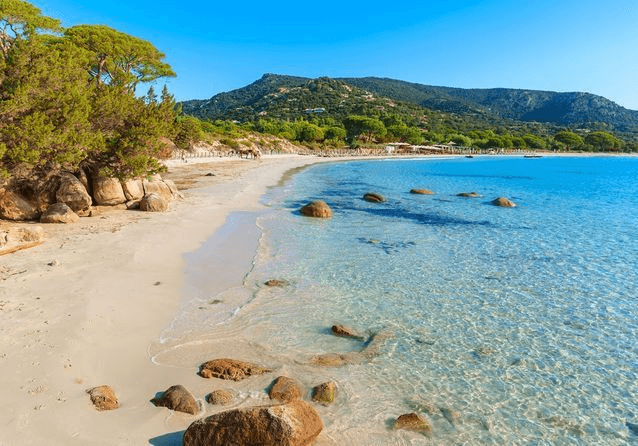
317	209
503	202
413	422
230	369
179	399
371	349
285	389
468	195
374	197
324	393
103	398
292	424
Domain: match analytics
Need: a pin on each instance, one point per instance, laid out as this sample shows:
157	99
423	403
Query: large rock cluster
63	197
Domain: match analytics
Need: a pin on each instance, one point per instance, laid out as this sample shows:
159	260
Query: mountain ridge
561	108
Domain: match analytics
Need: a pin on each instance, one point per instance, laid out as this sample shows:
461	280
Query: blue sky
572	45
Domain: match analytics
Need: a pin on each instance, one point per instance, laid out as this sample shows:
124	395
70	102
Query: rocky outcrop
318	209
220	397
345	332
292	424
503	202
374	197
231	369
468	195
153	203
103	398
14	206
285	389
59	213
73	193
108	191
413	422
177	398
324	393
133	189
421	191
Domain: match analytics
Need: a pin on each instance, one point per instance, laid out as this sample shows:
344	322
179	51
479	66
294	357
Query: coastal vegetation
68	98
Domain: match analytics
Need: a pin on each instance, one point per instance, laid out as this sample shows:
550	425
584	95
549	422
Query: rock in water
503	202
59	213
291	424
374	197
177	398
413	422
153	203
285	389
346	332
103	398
73	193
220	397
318	209
276	282
421	191
230	369
468	195
324	393
108	191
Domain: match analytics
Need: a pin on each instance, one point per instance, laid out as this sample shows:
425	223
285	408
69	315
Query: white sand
90	320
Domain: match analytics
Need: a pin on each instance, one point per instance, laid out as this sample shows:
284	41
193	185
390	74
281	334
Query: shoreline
90	318
126	277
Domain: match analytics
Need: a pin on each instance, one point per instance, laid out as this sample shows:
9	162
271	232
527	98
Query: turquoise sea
507	326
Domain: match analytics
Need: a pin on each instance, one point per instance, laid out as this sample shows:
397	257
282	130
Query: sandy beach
82	309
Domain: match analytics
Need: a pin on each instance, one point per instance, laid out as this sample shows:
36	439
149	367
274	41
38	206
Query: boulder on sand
133	189
103	398
59	213
220	397
177	398
230	369
73	193
153	203
292	424
108	191
14	206
374	197
318	209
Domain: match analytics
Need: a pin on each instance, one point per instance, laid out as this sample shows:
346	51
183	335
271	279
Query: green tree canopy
603	141
569	139
118	58
363	126
19	20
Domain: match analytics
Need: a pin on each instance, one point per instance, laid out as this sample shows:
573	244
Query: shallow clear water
507	326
